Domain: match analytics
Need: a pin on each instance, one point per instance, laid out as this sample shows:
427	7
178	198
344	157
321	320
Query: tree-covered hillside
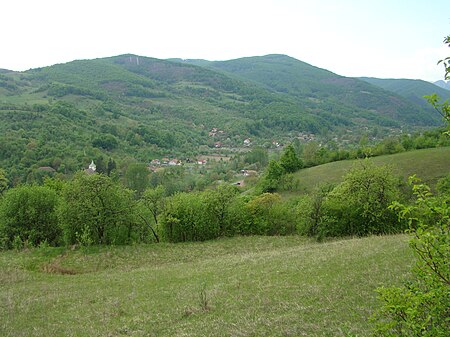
324	91
131	108
413	90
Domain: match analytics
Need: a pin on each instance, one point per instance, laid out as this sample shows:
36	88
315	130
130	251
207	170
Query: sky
374	38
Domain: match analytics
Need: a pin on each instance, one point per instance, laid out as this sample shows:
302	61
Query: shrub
98	209
183	219
28	214
359	205
421	307
270	216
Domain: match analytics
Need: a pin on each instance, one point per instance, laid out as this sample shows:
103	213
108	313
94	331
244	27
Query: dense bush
270	216
95	209
184	219
28	214
218	205
222	212
357	206
421	307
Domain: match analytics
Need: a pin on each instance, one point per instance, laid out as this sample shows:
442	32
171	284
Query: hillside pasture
427	164
244	286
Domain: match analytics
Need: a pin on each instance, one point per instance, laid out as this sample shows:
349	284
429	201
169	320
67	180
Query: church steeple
92	166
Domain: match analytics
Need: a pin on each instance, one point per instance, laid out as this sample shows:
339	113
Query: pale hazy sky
379	38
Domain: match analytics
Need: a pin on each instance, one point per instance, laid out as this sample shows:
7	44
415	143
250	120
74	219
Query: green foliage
3	181
107	142
359	205
218	203
137	177
446	61
272	177
257	156
66	115
184	220
289	160
153	200
202	216
28	214
222	212
270	216
96	205
421	307
443	185
311	211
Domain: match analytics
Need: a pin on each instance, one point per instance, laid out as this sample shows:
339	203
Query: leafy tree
311	210
257	156
153	199
310	154
110	167
270	216
98	208
421	307
272	177
184	219
443	108
29	213
217	205
289	160
137	177
153	202
359	205
107	142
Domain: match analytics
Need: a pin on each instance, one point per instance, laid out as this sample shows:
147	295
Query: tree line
98	209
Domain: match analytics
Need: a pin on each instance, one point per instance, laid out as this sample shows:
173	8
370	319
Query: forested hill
325	91
413	90
130	108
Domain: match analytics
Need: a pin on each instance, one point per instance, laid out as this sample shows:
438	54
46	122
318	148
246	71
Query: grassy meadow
427	164
243	286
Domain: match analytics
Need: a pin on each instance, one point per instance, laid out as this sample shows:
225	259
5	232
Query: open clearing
244	286
427	164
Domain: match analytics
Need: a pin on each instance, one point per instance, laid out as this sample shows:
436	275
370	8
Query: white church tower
92	166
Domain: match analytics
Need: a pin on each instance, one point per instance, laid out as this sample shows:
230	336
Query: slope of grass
428	164
247	286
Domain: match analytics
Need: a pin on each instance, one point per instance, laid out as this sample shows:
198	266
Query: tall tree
272	177
289	160
98	207
137	177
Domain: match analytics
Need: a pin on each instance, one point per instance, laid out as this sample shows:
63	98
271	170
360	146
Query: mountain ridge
136	108
414	90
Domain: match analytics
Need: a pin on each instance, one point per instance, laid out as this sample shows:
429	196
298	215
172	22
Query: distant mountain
130	107
443	84
413	90
326	92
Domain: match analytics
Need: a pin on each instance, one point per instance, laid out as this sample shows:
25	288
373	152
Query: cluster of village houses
156	164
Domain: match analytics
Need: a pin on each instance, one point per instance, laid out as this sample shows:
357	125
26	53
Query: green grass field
428	164
244	286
